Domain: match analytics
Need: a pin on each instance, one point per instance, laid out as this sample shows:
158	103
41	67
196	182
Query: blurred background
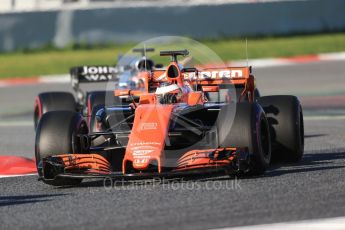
34	23
105	28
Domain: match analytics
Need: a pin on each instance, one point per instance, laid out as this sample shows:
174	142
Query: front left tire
57	133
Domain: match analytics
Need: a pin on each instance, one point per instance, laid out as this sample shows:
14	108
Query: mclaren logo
142	152
213	75
149	126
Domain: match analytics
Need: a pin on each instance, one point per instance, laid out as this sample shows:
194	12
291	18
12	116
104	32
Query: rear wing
210	76
92	74
240	77
224	75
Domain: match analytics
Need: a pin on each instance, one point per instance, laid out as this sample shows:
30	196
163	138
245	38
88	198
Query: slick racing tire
53	101
57	134
249	129
285	117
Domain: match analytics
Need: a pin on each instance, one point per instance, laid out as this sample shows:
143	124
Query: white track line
262	63
324	118
337	223
16	123
332	56
18	175
59	78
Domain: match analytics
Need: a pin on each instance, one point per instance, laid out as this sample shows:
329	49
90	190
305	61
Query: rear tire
285	117
53	101
249	129
56	134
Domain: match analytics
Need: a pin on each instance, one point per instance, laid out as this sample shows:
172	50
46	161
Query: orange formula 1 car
185	121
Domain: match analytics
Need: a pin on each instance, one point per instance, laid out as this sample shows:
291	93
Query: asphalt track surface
312	189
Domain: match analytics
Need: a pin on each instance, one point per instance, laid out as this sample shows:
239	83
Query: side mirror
127	92
121	92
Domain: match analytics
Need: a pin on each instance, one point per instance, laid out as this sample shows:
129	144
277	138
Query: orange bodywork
91	163
210	78
195	98
147	139
149	133
201	158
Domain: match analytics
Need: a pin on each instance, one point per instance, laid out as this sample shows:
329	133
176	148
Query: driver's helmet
145	64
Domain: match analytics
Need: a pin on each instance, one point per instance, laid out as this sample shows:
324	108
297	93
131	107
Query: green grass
54	61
